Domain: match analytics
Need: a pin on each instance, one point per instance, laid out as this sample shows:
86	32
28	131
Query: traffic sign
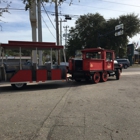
119	30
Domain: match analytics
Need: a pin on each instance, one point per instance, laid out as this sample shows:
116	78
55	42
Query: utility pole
39	30
57	24
61	37
61	29
57	29
33	20
66	27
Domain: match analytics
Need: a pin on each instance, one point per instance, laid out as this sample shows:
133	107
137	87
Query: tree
29	2
5	9
92	29
85	33
9	52
6	4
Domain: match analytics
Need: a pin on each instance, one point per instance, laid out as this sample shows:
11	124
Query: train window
108	56
94	55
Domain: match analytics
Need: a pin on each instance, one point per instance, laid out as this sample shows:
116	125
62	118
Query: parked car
124	62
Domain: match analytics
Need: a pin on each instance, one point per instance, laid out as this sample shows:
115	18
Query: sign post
119	30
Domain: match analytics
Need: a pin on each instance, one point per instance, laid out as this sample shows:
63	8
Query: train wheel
118	74
96	77
18	85
104	76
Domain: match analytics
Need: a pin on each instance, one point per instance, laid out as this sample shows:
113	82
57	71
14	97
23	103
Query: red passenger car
19	75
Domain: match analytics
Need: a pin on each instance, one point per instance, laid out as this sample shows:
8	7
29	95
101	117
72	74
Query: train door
109	64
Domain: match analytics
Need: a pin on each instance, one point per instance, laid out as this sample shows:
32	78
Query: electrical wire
47	26
48	15
24	10
89	6
96	7
53	13
120	3
13	9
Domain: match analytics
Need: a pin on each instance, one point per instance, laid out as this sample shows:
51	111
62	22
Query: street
73	111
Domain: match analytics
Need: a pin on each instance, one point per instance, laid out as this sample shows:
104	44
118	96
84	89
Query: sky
15	25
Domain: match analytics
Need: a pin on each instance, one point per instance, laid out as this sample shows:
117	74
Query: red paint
56	74
70	65
41	75
22	76
31	43
30	46
109	65
104	76
91	64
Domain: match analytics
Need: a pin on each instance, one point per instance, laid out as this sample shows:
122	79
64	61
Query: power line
89	6
120	3
62	14
13	9
47	26
96	7
24	10
41	16
48	16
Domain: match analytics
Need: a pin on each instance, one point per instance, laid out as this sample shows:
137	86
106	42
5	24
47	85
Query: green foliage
85	33
92	31
29	2
16	52
48	53
131	23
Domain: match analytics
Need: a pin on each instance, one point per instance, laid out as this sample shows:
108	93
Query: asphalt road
73	111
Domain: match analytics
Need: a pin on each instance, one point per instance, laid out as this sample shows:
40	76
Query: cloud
17	24
23	35
16	17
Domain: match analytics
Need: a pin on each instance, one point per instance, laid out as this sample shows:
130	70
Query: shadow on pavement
46	86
